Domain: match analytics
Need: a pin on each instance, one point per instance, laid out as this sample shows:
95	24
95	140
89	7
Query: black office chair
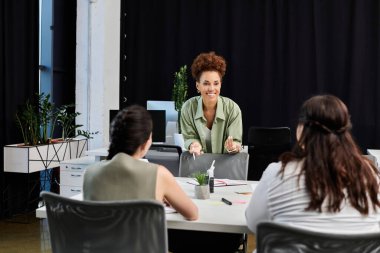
166	155
230	166
276	237
105	226
265	145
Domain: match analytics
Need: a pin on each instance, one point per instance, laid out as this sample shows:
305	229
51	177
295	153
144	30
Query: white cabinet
72	173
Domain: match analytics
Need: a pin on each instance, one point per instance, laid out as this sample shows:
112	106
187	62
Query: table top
214	215
97	152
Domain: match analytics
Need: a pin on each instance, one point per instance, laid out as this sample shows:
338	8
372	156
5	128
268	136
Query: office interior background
109	54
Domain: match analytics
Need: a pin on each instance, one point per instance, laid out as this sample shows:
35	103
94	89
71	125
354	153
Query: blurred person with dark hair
325	183
123	176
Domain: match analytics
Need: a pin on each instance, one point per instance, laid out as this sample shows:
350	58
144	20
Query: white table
100	153
214	215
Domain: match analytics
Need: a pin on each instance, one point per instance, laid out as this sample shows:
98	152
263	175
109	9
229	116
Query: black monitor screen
159	124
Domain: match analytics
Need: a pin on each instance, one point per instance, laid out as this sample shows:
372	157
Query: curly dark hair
208	62
334	167
130	128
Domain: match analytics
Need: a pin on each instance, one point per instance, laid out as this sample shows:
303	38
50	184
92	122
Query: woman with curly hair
124	176
210	123
325	183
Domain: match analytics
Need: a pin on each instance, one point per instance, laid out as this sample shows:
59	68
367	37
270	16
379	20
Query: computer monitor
168	106
159	124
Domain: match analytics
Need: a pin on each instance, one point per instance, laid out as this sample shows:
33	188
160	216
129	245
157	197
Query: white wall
97	66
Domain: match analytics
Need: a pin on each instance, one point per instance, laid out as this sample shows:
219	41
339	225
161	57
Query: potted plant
202	190
34	121
66	119
29	125
179	96
40	151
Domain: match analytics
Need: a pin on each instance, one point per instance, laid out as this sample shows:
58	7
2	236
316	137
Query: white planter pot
28	159
178	140
202	191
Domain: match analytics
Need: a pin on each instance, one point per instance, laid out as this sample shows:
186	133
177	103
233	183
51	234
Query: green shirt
227	122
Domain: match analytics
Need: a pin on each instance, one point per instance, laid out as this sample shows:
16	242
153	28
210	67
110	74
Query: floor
29	234
21	235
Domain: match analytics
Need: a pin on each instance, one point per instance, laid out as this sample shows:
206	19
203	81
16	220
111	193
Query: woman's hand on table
195	148
231	146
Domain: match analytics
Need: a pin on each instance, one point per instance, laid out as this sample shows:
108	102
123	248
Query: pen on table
244	193
226	201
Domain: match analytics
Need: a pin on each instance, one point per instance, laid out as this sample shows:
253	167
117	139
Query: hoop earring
198	91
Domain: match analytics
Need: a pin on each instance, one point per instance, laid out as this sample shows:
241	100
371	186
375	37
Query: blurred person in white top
325	183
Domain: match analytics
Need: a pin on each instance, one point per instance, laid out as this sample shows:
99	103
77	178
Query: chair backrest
166	155
265	145
372	159
166	148
105	226
276	237
231	166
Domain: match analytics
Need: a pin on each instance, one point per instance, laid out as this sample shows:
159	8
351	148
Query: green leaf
179	92
200	177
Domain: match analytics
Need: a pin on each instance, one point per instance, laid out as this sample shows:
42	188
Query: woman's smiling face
209	86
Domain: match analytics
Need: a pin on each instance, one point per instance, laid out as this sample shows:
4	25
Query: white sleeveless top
284	200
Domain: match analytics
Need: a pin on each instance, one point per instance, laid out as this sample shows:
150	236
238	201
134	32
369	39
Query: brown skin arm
168	190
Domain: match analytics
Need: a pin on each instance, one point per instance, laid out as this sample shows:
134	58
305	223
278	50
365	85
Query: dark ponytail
130	128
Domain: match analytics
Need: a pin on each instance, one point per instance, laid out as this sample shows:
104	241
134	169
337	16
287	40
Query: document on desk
227	182
221	182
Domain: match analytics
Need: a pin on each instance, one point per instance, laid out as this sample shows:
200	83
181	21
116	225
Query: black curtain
64	51
279	53
18	74
19	78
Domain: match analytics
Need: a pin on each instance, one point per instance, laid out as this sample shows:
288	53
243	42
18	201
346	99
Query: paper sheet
220	182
